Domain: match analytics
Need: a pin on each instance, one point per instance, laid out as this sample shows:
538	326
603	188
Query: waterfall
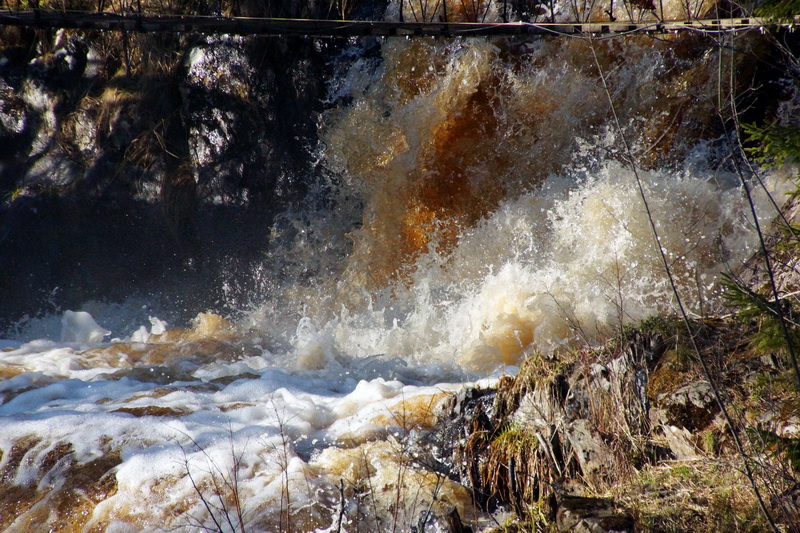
433	212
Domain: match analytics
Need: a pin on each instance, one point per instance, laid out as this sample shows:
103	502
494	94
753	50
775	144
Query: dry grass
702	496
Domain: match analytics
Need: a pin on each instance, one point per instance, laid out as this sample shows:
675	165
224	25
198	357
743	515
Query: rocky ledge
630	437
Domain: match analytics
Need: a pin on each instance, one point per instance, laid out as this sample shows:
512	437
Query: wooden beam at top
134	22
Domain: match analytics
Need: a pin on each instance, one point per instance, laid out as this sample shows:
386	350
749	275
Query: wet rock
458	444
221	98
681	414
538	411
449	523
790	428
592	515
468	411
88	147
787	427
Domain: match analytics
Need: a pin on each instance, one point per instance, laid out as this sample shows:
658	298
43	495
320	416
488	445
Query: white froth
80	327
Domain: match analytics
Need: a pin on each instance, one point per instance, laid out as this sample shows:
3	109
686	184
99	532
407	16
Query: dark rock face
146	168
461	438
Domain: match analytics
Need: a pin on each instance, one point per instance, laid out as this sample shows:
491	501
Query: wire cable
683	312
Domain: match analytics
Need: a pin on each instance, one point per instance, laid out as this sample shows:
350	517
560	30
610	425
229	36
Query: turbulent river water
484	209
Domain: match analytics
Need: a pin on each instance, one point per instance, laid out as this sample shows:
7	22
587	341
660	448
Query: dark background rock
102	191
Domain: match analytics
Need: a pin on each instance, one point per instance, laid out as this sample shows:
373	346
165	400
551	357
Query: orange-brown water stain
8	371
456	142
463	144
139	510
205	326
200	351
444	194
416	413
212	339
511	337
15	499
493	137
506	340
227	380
458	182
67	504
55	455
383	470
152	410
156	393
15	456
466	166
412	68
234	406
71	506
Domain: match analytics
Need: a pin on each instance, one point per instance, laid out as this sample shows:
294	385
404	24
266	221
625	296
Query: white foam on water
531	273
79	327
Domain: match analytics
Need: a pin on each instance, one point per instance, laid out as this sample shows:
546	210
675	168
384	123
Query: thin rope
684	315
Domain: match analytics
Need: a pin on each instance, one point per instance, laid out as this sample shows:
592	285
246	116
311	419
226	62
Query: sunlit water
482	212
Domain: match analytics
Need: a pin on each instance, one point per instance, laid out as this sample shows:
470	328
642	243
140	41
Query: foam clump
205	326
157	328
80	327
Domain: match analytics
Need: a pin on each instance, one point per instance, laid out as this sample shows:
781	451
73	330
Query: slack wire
739	146
779	311
684	314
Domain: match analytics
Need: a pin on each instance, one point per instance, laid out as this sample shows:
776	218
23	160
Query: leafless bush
220	495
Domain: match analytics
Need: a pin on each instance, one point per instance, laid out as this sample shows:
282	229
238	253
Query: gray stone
538	411
693	406
680	443
593	455
592	515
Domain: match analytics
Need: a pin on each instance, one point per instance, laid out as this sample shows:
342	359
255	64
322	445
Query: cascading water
479	210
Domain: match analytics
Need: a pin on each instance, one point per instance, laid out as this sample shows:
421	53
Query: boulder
692	406
592	515
593	455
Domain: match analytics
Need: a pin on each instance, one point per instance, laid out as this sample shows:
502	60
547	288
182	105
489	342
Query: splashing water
488	216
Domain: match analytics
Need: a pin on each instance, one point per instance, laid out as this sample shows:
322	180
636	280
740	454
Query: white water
563	264
333	379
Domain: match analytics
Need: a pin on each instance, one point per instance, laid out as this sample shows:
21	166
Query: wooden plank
133	22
